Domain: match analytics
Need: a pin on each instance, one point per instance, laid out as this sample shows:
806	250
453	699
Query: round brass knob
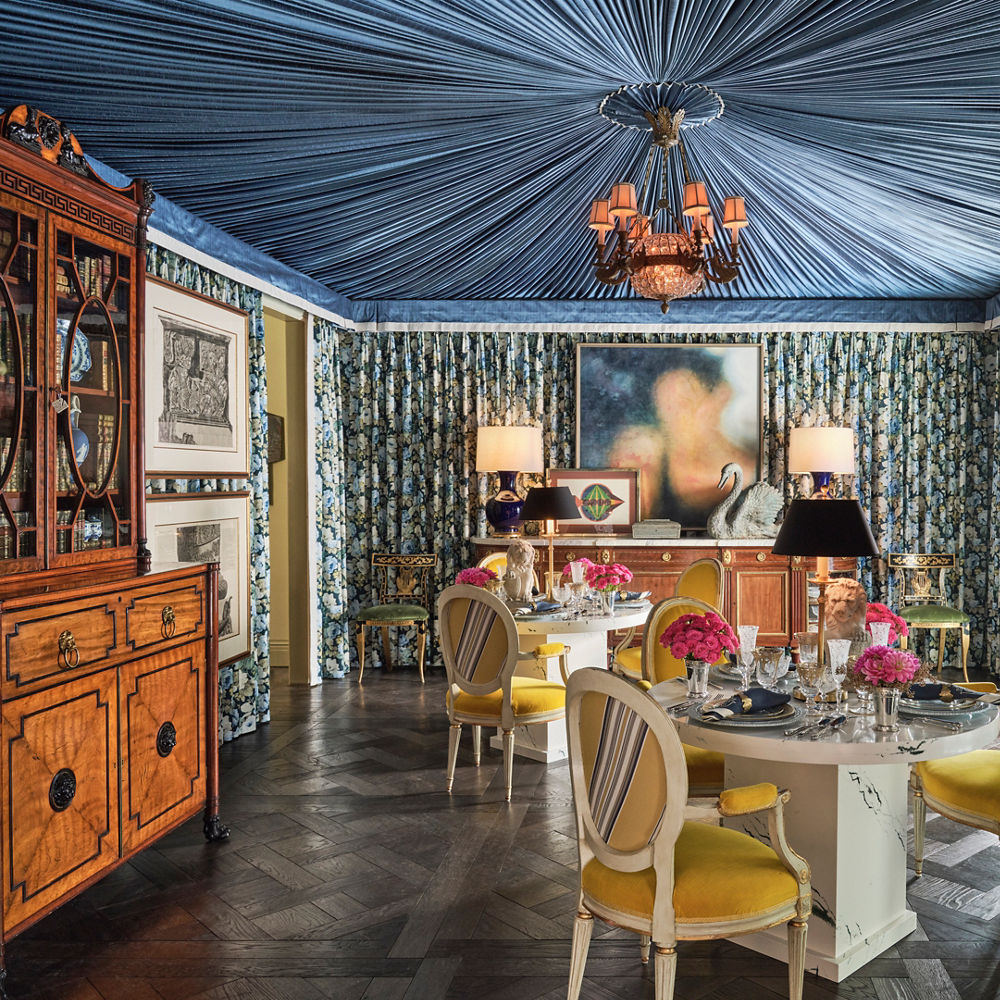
68	652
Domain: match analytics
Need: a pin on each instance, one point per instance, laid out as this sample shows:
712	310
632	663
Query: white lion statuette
519	577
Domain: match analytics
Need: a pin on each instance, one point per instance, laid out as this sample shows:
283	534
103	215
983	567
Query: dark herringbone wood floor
350	874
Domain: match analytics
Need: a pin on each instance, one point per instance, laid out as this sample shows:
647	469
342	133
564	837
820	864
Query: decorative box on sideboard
759	588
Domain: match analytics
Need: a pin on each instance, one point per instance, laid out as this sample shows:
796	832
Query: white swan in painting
745	513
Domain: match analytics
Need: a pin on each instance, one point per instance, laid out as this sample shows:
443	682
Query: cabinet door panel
163	742
761	598
60	809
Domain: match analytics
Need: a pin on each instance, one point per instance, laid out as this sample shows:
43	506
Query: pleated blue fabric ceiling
409	149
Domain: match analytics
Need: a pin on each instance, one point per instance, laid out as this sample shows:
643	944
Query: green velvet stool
404	596
921	606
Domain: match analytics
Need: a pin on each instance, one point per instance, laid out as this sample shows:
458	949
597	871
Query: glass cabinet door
19	388
93	468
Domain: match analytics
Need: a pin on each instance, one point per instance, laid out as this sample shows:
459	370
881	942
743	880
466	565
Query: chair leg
965	650
421	642
508	761
919	822
644	941
453	736
583	927
386	650
359	641
941	634
664	973
476	734
796	958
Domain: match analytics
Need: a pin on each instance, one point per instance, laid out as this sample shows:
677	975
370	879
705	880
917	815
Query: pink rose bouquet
880	613
880	666
606	576
476	576
699	637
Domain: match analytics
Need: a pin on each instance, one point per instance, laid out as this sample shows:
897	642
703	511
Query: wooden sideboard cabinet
109	696
759	588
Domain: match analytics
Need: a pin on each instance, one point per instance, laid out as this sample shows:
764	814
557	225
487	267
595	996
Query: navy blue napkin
761	700
543	606
942	692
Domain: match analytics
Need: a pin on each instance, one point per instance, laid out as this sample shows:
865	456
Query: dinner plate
934	706
540	616
631	605
771	717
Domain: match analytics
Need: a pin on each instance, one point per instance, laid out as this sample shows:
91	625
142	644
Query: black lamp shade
549	503
825	528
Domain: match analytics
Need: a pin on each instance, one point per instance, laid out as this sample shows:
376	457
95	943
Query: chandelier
644	241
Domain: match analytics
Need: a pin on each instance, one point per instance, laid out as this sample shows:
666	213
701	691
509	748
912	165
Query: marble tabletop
855	743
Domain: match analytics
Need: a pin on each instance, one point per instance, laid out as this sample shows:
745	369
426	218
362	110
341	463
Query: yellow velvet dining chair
965	788
479	644
646	869
701	580
706	768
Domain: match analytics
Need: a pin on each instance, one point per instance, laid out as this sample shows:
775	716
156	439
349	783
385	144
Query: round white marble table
587	638
847	817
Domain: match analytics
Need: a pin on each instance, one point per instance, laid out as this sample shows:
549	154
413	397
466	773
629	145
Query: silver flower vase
886	709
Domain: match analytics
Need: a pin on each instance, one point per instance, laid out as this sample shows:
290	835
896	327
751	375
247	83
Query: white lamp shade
509	449
821	449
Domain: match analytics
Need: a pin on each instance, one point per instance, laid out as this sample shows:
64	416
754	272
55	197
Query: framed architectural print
608	500
196	384
677	413
215	529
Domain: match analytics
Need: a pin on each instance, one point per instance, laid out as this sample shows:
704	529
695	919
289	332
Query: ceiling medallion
642	239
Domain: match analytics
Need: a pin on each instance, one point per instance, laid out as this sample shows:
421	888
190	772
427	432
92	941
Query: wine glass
561	592
810	669
880	633
748	642
839	649
768	665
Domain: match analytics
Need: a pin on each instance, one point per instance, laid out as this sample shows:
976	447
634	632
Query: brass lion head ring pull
68	652
169	625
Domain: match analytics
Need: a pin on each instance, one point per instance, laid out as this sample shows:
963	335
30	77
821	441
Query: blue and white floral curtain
331	582
923	405
244	685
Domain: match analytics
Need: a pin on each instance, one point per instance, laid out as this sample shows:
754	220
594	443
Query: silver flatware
932	720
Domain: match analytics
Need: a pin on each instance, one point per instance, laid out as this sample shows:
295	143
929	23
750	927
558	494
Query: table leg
849	823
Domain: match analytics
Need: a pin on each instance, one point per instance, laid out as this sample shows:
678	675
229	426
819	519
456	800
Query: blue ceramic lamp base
503	511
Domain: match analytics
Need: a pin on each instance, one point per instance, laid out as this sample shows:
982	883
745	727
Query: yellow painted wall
276	333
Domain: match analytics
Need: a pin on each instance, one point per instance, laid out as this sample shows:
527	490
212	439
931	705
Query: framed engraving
196	391
214	529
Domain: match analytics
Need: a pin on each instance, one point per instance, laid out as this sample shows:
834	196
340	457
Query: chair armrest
768	798
748	799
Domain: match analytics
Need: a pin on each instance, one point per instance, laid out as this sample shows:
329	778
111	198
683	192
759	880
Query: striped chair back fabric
619	748
478	640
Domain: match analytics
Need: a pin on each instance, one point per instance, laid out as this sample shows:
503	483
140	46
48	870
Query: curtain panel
328	460
922	404
245	684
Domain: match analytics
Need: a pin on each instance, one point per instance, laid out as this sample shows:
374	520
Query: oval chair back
658	663
479	645
702	580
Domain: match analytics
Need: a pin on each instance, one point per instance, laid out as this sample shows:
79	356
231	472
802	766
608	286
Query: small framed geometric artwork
608	500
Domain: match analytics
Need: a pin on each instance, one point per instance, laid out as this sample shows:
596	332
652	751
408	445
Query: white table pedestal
849	822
